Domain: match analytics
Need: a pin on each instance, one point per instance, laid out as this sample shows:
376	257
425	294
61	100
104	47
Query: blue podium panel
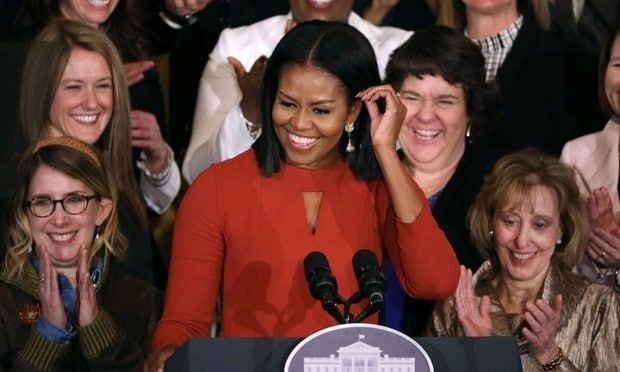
448	354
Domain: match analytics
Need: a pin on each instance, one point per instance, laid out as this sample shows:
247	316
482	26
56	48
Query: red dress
246	235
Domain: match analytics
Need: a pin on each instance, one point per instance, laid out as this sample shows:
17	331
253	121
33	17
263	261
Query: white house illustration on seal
359	357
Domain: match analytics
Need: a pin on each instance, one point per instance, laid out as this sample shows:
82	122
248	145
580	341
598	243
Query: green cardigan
118	339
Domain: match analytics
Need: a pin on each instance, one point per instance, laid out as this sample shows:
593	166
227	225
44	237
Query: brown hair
513	177
77	160
43	71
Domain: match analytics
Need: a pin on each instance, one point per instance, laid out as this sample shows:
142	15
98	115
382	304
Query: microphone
371	281
322	284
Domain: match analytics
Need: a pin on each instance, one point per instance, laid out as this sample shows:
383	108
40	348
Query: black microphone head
322	283
363	260
315	261
371	280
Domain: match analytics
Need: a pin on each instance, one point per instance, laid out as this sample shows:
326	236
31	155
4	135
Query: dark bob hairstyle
341	51
442	51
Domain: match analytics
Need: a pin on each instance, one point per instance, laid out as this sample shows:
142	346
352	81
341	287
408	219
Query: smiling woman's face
309	114
92	12
84	100
324	10
433	133
526	232
612	77
62	233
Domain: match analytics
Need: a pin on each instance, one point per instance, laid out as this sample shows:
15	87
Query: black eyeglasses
42	206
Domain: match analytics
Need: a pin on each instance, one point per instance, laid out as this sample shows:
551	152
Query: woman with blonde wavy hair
529	222
56	284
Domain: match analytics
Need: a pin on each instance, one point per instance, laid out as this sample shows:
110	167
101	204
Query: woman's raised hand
145	135
52	308
542	326
603	245
384	126
86	306
473	313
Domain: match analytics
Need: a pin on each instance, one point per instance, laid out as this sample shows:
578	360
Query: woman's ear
354	111
105	208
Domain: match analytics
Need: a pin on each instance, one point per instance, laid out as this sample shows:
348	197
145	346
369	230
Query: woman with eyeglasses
62	306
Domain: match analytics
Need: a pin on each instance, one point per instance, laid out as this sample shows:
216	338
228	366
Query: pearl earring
491	232
349	129
558	242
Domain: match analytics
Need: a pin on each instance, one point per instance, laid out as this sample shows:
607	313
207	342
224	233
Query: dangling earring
349	129
96	233
30	249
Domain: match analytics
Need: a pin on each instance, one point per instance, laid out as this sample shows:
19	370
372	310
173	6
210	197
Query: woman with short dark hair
439	75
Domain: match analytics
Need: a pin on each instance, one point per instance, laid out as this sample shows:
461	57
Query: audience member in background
195	38
595	158
439	75
62	307
530	224
547	98
587	23
227	121
406	14
74	86
323	175
127	25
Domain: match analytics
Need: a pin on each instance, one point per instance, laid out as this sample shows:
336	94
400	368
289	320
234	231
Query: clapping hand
134	71
542	326
86	306
249	83
473	313
145	135
52	308
603	245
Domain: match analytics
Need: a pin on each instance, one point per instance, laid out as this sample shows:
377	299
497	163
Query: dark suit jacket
547	98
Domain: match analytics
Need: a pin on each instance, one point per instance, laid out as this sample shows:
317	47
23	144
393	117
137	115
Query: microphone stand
372	307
